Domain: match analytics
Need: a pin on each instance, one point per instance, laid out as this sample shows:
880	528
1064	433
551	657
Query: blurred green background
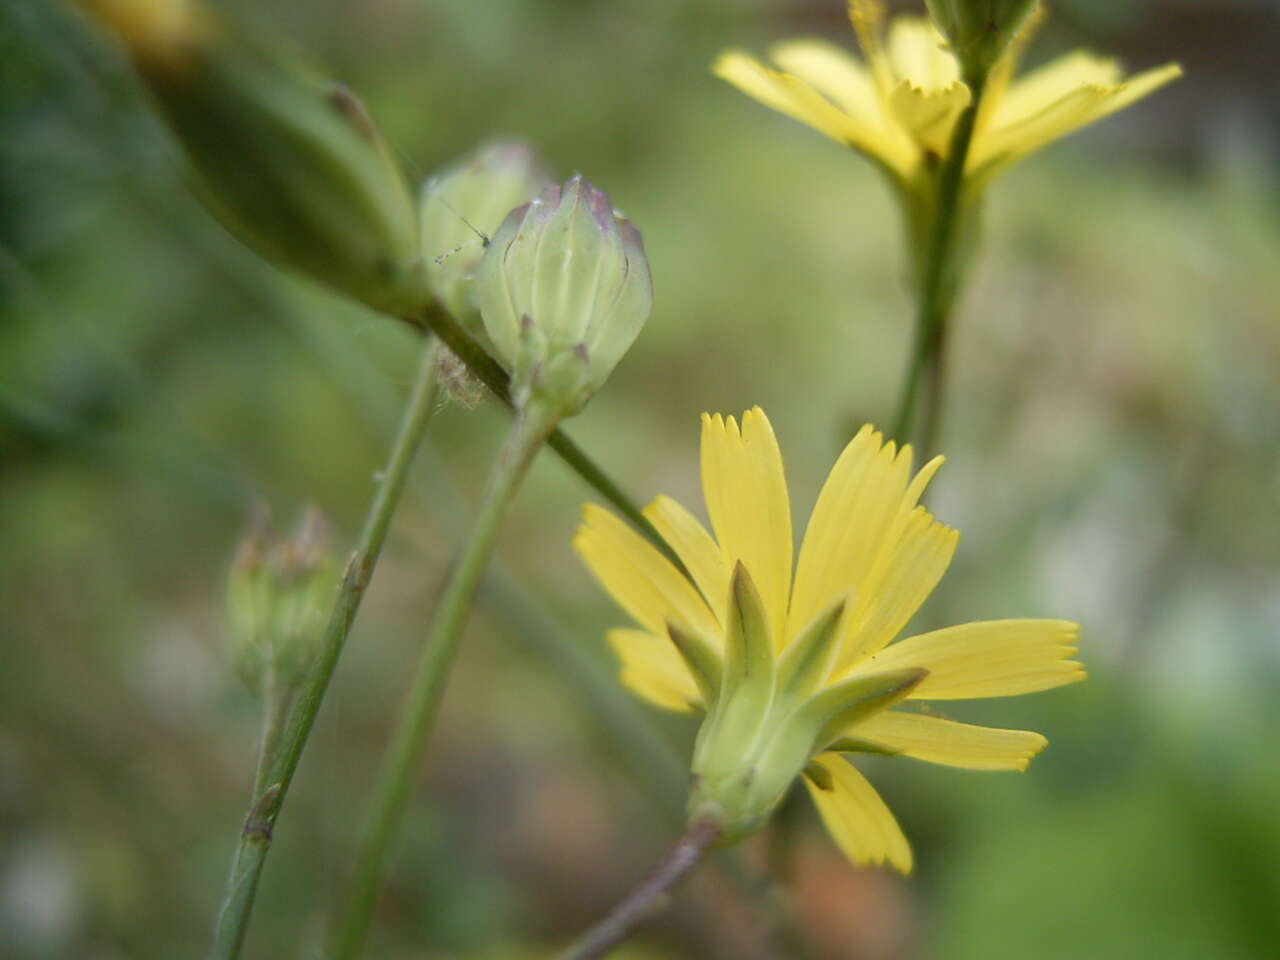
1112	437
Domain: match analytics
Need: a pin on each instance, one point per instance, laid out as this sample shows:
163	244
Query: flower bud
287	161
277	601
979	31
563	290
461	209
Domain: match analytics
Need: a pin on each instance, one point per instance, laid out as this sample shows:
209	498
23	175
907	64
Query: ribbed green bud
979	31
278	598
288	161
563	290
461	209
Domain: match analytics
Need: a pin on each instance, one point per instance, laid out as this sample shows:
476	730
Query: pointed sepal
807	661
748	656
701	659
839	707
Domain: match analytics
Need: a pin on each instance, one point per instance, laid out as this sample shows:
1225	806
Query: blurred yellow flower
899	106
869	558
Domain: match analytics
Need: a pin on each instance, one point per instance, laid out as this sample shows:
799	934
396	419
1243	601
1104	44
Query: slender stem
242	883
404	753
255	835
649	896
939	281
439	321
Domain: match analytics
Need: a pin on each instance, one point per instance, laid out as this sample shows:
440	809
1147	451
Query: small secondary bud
461	209
277	600
563	289
286	160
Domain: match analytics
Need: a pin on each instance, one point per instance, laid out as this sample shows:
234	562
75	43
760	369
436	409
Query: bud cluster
291	164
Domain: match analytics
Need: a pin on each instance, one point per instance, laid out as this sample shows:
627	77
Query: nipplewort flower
899	106
796	672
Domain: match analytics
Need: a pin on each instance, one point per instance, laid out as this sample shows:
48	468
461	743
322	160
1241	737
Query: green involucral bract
766	717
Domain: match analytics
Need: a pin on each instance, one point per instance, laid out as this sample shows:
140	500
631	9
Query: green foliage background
1112	434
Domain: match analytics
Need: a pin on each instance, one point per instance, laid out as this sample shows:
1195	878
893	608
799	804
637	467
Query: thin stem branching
279	762
436	319
404	753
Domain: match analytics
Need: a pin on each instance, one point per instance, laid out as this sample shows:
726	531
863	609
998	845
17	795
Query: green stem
270	790
404	753
939	279
649	896
275	713
440	322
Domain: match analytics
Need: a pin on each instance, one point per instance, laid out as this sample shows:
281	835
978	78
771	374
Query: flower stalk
278	764
434	318
650	895
404	754
938	282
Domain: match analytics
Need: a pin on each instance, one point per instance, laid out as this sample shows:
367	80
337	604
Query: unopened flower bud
277	601
462	208
563	289
286	160
979	31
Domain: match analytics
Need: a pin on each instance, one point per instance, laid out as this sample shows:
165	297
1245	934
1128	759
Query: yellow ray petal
929	115
994	658
1032	92
862	826
835	75
746	494
918	55
867	17
637	576
947	742
653	670
780	92
695	548
1132	90
846	526
897	586
1004	145
856	527
794	97
1008	142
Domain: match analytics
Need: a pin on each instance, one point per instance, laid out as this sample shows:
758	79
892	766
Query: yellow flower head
899	106
794	671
